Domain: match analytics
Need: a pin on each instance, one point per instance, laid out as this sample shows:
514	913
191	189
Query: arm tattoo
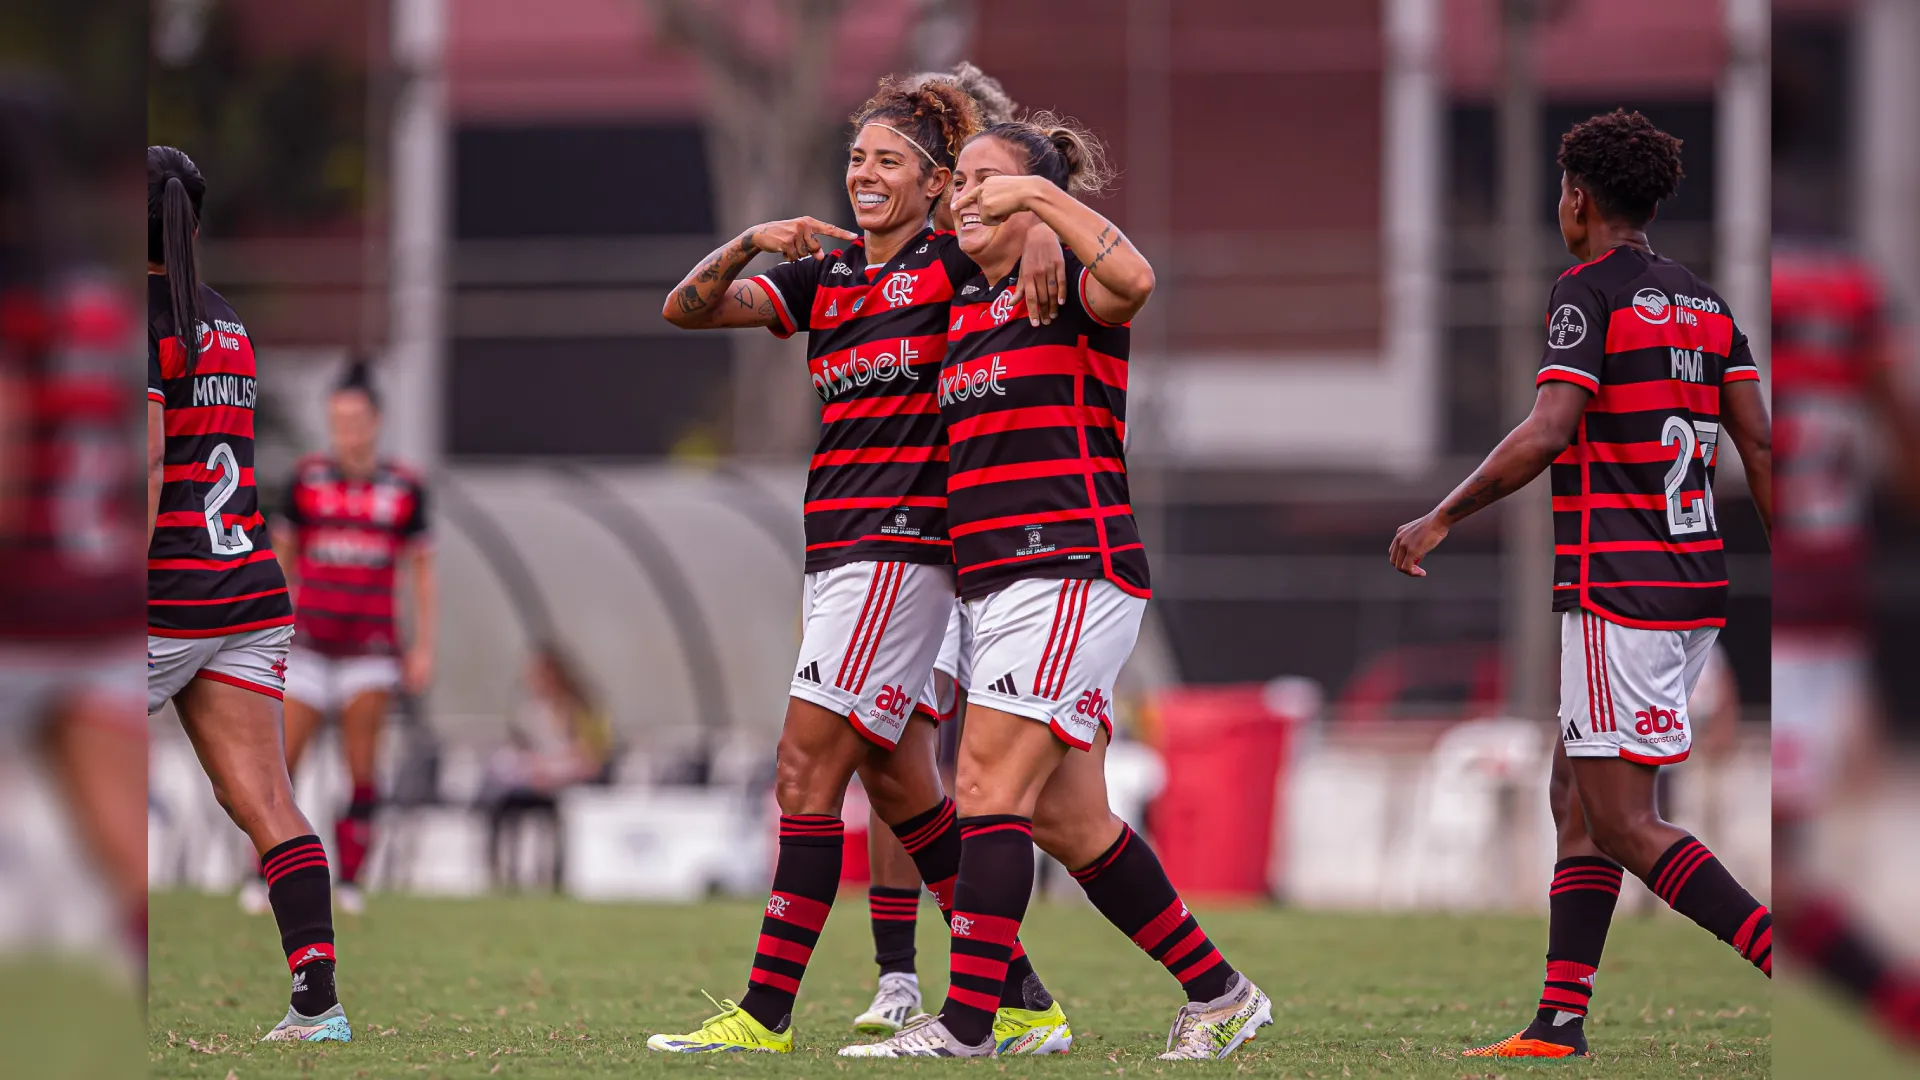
1482	491
701	291
690	299
1108	239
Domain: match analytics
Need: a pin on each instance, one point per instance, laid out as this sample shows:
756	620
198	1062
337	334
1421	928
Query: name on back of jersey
237	390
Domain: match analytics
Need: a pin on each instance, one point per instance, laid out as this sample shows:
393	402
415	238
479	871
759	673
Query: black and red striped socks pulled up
933	840
894	913
1127	884
301	893
1692	882
990	898
805	878
353	833
1580	906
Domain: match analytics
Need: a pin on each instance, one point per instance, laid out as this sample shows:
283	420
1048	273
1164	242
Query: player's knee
803	780
1614	831
1076	839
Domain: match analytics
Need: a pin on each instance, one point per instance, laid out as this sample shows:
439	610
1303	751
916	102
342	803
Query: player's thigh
872	633
1050	650
361	719
231	711
905	781
1005	761
1073	820
816	757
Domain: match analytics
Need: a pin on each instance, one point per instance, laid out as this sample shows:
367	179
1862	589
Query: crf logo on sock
893	700
777	906
962	926
1655	720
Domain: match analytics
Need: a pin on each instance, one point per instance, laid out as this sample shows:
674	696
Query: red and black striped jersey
210	569
69	523
876	336
1037	419
1635	537
351	532
1827	323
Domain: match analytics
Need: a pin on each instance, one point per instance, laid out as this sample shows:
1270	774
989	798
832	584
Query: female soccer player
879	584
218	616
350	518
1642	366
893	900
1054	578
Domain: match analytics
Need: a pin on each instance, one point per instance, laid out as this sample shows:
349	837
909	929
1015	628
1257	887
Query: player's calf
1129	887
299	890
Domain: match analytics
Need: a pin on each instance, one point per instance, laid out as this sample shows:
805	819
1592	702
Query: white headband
909	138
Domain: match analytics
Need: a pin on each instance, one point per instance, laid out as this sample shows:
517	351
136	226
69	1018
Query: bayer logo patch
1652	306
1567	328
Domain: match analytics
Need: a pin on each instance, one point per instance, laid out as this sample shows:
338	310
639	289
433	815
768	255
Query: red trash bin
1213	822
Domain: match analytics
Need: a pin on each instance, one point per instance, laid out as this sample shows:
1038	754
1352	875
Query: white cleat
349	899
253	897
924	1036
1210	1030
898	999
329	1026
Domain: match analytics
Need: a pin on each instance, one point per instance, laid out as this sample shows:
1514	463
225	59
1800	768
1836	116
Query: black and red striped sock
1579	912
1822	935
1692	882
990	899
1131	889
301	893
353	833
804	880
894	912
933	840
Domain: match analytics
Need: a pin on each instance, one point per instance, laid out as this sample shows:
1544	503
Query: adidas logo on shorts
1005	685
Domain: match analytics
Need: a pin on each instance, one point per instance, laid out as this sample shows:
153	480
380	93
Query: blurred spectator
561	738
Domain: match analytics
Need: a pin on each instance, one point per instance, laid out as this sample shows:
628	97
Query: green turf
550	988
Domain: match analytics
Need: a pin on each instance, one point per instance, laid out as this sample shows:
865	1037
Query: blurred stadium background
1348	206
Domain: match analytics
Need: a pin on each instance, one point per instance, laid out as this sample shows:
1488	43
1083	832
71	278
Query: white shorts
37	680
873	629
327	683
1049	650
255	660
1821	699
1624	691
950	668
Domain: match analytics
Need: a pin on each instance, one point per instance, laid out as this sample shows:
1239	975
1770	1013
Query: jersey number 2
225	541
1684	518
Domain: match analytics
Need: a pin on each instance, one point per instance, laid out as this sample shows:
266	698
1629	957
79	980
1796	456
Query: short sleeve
156	386
1080	279
415	527
1576	335
791	286
1740	363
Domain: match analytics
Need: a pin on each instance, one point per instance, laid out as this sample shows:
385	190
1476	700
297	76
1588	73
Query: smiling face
980	159
889	182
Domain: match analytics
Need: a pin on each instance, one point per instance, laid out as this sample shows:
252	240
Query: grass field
550	988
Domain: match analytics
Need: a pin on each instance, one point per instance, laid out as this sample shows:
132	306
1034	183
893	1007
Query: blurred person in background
218	616
69	538
1643	366
893	898
561	737
1055	581
349	519
1833	389
879	586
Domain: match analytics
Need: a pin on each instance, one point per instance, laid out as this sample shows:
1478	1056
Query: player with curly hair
1642	368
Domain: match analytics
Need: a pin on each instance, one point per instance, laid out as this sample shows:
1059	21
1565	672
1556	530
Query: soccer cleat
253	897
1031	1031
732	1031
1210	1030
1518	1045
898	999
329	1026
924	1036
349	899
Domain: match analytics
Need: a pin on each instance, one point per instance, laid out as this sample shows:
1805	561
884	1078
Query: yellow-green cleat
1031	1031
731	1031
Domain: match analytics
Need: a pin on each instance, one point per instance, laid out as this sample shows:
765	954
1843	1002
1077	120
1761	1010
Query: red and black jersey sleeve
791	286
1576	346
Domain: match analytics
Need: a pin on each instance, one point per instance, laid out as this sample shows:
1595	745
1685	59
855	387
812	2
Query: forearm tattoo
1109	239
715	275
1481	492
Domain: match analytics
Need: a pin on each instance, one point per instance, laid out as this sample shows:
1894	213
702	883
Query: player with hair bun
1642	371
1054	580
879	565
